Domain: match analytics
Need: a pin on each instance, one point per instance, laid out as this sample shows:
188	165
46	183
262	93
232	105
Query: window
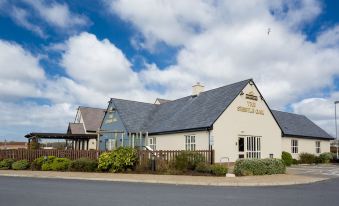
152	143
109	144
253	147
190	142
317	147
111	117
294	146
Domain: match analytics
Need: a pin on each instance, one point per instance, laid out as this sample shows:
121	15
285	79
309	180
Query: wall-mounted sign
251	96
251	108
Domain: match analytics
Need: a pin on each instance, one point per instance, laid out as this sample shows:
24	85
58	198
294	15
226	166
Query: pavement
268	180
22	191
321	170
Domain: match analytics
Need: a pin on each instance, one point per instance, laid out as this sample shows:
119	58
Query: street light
336	130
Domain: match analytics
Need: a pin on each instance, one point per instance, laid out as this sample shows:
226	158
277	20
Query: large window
253	148
153	143
317	147
294	146
190	142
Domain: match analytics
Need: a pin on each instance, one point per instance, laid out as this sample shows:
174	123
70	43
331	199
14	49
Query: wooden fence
30	155
160	156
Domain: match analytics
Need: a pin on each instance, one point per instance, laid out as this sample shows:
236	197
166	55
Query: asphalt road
15	191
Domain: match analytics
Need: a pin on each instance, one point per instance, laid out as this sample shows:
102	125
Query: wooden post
122	139
140	136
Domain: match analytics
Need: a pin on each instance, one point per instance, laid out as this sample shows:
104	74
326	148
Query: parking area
327	171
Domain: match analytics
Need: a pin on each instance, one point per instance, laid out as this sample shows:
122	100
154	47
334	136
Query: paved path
19	191
171	179
326	171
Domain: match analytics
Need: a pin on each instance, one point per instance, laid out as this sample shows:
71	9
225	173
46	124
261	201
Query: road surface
17	191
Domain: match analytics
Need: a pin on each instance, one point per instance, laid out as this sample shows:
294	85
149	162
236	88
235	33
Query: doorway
249	147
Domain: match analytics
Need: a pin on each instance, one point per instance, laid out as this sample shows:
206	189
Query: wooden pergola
76	141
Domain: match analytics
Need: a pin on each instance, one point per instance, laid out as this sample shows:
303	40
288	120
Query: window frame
294	146
152	143
190	142
318	147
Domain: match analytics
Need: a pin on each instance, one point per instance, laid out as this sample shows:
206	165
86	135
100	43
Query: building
13	145
82	134
233	120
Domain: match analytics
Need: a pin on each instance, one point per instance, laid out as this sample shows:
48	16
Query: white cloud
20	73
225	41
57	14
20	16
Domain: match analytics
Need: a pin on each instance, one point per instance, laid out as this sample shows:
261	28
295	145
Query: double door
249	147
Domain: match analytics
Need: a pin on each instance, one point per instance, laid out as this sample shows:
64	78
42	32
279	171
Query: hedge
6	164
307	158
83	165
249	167
188	160
20	165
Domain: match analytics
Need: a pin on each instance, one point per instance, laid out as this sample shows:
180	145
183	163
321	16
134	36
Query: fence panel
30	155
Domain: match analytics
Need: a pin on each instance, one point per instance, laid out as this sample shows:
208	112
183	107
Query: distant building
13	145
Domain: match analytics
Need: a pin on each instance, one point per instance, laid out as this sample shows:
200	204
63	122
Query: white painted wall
305	145
233	123
177	141
92	144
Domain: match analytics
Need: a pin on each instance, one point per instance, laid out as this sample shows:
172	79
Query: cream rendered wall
233	123
304	145
177	141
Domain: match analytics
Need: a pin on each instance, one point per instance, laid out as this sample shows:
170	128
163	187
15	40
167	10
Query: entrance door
241	147
249	147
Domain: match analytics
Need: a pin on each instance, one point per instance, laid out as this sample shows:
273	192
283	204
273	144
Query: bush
6	164
203	167
83	165
118	160
287	158
248	167
325	157
37	163
307	158
60	164
188	160
20	165
295	161
219	170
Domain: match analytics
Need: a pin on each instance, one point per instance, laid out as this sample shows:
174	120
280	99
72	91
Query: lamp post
336	126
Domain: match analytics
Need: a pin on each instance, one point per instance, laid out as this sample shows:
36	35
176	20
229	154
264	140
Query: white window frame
110	144
253	147
152	143
317	147
294	146
190	144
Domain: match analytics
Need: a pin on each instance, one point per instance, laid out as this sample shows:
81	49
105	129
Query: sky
56	55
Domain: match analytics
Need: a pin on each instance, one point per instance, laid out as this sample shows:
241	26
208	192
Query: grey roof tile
76	128
92	117
299	125
191	112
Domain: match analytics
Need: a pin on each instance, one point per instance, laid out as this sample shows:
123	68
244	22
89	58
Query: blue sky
56	55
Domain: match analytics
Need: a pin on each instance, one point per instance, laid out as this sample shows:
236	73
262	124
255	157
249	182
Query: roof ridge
91	107
132	101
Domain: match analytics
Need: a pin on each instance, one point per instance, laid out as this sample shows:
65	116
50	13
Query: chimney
197	89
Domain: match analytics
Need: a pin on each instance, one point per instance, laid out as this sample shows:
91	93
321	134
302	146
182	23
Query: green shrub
60	164
219	170
325	157
6	164
307	158
286	158
118	160
188	160
83	165
37	163
248	167
20	165
295	161
203	167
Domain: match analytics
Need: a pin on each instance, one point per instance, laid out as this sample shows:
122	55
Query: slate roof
299	125
92	117
76	128
188	113
162	101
